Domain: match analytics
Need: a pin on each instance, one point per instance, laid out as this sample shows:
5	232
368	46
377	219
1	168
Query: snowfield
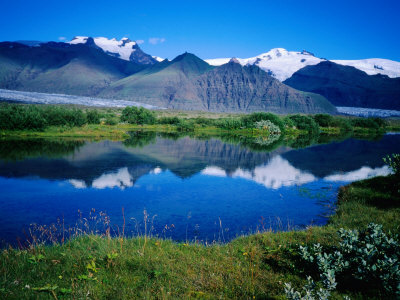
282	63
43	98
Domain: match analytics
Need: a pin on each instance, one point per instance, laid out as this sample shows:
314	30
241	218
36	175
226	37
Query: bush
135	115
249	120
393	161
185	125
368	256
324	120
268	125
229	123
110	120
169	120
35	117
288	123
305	123
93	117
370	123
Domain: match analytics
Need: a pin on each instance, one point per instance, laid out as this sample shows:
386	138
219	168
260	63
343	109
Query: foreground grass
252	267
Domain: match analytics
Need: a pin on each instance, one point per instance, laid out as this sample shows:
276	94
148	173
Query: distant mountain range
119	69
282	64
348	86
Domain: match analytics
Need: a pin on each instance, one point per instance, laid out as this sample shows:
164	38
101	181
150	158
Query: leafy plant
393	161
369	256
268	125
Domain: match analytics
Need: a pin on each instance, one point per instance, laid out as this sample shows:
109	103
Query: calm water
203	189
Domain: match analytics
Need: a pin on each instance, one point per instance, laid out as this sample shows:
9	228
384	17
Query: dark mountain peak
305	52
90	42
185	57
234	60
190	64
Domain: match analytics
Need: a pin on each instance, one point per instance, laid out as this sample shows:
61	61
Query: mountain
348	86
124	49
232	87
282	64
189	83
60	68
166	84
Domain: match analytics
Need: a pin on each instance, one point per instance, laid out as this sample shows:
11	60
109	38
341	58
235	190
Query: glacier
44	98
367	112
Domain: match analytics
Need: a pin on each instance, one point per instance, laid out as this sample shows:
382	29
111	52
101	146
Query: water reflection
276	173
229	178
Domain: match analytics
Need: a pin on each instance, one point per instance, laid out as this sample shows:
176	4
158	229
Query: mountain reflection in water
174	177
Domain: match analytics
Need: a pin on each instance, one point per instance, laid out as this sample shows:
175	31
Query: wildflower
245	253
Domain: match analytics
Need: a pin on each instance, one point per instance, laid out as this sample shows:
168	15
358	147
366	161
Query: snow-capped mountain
159	59
124	48
282	63
374	66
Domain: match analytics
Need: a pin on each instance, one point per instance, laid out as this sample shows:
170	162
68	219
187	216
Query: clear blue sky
210	29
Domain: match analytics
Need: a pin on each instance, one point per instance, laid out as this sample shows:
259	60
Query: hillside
189	83
60	68
348	86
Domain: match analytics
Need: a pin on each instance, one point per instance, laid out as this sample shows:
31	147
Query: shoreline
256	265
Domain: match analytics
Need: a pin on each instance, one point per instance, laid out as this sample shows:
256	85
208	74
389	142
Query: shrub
35	117
135	115
305	123
393	161
169	120
268	125
185	125
288	123
110	120
229	123
324	120
370	123
93	117
249	120
368	256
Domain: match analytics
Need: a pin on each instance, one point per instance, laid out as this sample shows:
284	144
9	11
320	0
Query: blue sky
210	29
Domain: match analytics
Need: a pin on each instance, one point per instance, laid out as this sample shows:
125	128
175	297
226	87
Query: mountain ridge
282	64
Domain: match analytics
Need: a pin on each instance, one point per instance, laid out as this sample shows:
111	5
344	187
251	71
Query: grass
250	267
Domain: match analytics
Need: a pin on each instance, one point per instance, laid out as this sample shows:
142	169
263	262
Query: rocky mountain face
348	86
189	83
60	68
232	87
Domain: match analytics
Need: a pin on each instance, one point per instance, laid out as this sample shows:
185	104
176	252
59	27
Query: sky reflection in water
190	183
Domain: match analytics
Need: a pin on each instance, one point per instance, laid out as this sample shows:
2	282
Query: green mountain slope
168	84
60	68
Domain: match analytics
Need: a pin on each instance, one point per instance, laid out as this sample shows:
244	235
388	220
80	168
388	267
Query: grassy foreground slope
252	267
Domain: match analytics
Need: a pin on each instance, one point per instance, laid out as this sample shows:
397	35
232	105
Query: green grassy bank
66	121
252	267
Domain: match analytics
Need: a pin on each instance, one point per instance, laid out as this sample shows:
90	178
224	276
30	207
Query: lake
187	188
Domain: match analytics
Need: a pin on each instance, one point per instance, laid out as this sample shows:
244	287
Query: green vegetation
135	115
366	258
255	266
49	120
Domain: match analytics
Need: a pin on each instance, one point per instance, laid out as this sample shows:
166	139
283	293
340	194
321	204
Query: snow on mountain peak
281	63
122	48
